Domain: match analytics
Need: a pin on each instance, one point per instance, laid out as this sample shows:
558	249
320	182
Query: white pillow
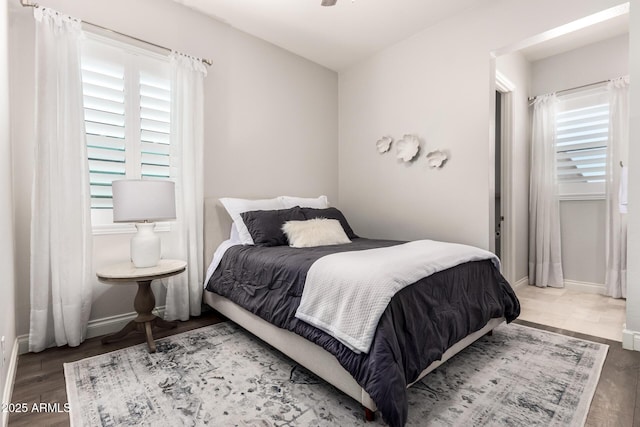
234	236
304	202
315	232
236	206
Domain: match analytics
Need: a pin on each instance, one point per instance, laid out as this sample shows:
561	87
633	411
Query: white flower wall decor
384	144
436	159
407	147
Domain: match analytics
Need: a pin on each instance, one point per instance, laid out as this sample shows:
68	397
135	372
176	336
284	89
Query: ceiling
336	36
344	34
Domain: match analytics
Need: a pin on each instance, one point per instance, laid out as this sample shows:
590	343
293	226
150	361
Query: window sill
592	196
128	228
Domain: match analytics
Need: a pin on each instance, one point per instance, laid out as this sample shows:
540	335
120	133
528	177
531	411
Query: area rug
222	376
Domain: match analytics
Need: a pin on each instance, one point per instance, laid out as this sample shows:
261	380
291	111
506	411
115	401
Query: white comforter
346	293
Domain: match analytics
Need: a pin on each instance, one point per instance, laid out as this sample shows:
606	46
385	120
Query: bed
399	354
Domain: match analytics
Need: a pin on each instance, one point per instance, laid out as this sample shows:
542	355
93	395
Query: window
127	107
582	134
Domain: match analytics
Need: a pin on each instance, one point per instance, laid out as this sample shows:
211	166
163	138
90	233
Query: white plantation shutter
582	134
155	125
104	113
127	105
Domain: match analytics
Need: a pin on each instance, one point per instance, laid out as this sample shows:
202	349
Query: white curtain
61	240
184	292
617	153
545	261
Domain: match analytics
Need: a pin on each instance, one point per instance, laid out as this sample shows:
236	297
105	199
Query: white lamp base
145	246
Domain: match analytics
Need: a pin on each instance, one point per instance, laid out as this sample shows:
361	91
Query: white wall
7	282
592	63
516	68
583	222
271	124
582	231
633	249
438	85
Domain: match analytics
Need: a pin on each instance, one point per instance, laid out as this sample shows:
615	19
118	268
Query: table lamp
144	202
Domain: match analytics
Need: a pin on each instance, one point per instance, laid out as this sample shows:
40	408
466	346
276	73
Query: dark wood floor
40	378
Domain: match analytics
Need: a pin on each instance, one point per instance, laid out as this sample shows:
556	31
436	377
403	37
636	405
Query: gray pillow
265	227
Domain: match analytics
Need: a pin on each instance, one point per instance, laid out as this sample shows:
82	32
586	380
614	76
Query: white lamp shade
137	200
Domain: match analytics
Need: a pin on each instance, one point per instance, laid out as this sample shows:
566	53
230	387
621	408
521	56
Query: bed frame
217	225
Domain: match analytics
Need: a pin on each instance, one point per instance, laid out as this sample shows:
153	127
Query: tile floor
589	314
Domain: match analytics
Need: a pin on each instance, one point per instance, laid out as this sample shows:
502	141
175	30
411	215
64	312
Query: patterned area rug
223	376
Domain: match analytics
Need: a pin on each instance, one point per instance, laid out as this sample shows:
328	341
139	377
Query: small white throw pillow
315	232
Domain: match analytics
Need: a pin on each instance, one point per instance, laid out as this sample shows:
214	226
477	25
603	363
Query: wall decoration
436	159
407	147
384	144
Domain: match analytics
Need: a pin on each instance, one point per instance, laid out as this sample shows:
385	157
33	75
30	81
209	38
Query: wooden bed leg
369	415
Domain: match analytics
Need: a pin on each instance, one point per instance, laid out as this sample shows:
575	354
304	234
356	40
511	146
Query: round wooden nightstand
145	301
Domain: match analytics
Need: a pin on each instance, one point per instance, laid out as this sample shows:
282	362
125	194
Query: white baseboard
586	287
573	285
630	339
97	327
8	385
521	283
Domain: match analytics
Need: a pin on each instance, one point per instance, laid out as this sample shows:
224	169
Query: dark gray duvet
421	322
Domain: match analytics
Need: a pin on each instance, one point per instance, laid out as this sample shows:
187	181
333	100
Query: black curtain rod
36	5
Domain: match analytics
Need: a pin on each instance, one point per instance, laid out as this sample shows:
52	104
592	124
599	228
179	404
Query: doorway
498	217
546	63
504	218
